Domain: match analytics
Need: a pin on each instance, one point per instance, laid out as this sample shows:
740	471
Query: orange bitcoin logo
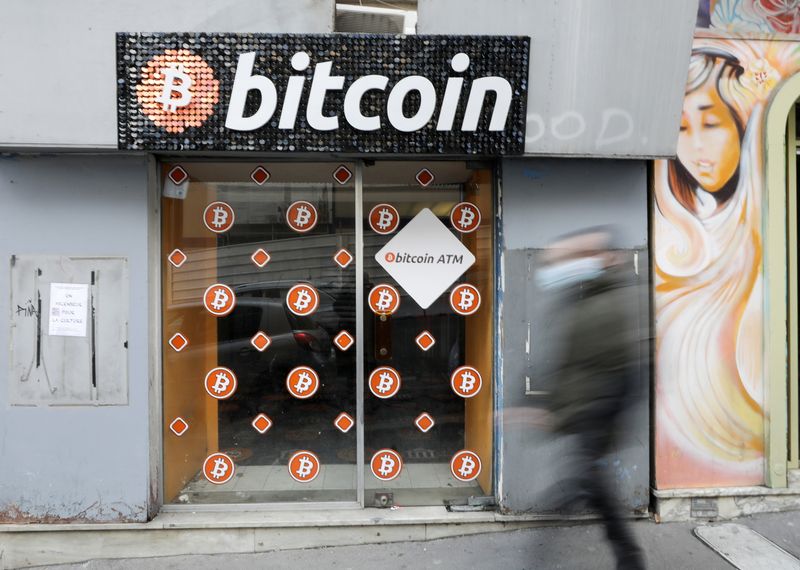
384	219
466	381
302	382
304	466
177	90
465	299
219	300
218	468
218	217
302	299
386	464
465	217
220	383
384	382
465	465
301	216
384	299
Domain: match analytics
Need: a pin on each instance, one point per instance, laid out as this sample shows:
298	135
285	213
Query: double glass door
311	353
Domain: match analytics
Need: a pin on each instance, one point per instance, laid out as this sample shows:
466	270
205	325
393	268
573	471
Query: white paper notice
68	308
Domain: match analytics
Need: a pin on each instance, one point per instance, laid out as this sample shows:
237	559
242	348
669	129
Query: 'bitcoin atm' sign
322	93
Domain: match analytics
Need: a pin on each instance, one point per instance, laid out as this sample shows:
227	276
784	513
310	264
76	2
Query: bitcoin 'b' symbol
302	299
218	468
384	299
386	464
304	466
218	217
384	219
220	383
466	381
465	299
384	382
219	300
301	216
172	73
302	382
465	217
465	465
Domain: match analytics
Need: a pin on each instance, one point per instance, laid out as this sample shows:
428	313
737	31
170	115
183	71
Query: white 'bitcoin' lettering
467	217
221	299
384	300
222	382
386	218
303	383
467	381
303	216
467	466
304	468
220	217
387	465
467	299
170	75
386	383
220	468
303	300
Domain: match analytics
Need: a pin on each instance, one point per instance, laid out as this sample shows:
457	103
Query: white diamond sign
425	258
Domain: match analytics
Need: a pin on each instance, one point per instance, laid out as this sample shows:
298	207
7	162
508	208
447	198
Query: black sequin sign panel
200	70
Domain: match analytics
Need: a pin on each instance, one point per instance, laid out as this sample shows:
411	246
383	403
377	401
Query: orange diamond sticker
424	177
260	175
343	258
342	174
179	426
344	340
178	175
425	340
178	342
260	257
344	422
424	422
262	423
177	257
261	341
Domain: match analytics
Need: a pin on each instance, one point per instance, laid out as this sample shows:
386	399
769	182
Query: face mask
570	272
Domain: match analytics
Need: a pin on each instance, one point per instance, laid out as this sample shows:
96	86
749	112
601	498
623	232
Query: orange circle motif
384	219
466	381
384	299
386	464
177	90
219	300
465	465
465	217
302	299
218	468
304	466
219	217
384	382
220	383
302	382
301	216
465	299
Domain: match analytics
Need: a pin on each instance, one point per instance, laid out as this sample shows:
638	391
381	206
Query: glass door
328	332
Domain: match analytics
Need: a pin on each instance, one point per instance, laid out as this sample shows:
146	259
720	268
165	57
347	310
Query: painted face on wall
708	145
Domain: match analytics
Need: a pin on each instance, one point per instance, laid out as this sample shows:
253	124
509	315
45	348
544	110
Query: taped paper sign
68	309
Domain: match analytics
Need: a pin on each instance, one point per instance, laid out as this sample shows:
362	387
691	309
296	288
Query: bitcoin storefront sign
322	93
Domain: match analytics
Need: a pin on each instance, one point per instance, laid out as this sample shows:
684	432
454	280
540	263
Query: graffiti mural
708	268
760	16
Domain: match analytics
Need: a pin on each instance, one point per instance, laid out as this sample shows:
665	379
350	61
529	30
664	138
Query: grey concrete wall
606	76
88	463
541	200
58	59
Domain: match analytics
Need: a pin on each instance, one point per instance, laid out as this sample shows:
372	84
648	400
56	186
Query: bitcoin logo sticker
218	468
218	217
384	219
384	382
304	466
219	300
466	381
302	299
386	464
465	299
301	216
465	217
384	299
465	465
302	382
220	383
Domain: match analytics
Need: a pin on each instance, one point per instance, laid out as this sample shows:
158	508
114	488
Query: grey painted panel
58	59
89	462
606	76
542	199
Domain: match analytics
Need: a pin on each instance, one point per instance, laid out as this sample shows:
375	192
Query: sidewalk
667	546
